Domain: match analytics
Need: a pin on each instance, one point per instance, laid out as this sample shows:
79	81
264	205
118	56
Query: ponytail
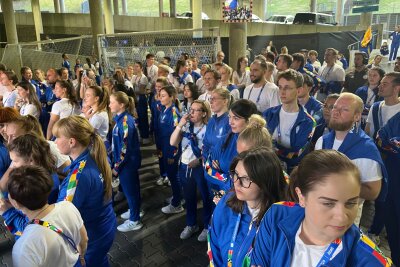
127	101
131	106
99	153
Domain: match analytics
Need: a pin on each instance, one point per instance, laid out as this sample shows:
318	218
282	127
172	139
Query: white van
311	18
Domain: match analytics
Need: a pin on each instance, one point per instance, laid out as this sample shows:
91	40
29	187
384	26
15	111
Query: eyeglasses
215	98
244	181
195	110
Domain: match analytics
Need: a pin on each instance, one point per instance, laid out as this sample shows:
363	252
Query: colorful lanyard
73	181
329	252
234	235
57	230
124	142
259	94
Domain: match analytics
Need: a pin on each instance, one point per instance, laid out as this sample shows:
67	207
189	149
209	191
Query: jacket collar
118	117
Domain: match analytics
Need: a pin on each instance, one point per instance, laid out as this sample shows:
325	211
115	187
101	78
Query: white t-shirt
264	97
309	255
244	79
386	112
138	81
60	158
152	73
9	98
370	170
332	73
205	97
3	90
286	122
40	246
200	85
187	152
64	109
100	123
29	109
179	87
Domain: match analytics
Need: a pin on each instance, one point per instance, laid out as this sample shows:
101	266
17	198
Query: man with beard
211	79
290	126
263	93
349	139
359	75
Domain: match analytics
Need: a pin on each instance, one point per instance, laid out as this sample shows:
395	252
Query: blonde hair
80	129
255	134
225	94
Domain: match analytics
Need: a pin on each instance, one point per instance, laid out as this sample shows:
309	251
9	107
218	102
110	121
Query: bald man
348	138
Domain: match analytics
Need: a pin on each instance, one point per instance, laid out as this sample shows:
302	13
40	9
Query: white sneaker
189	231
160	181
171	209
119	196
166	181
203	236
130	226
127	214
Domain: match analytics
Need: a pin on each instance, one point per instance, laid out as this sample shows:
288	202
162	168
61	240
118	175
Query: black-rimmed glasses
245	181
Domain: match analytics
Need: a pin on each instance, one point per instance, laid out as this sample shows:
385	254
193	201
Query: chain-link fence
119	50
47	54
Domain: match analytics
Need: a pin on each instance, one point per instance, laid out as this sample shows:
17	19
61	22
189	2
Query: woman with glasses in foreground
258	182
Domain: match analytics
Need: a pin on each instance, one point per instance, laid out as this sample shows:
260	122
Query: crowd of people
284	153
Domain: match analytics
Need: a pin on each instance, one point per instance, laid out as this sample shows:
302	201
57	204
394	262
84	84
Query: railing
356	45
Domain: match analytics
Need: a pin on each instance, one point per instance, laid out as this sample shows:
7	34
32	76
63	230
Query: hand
183	120
215	164
4	205
194	163
217	197
82	260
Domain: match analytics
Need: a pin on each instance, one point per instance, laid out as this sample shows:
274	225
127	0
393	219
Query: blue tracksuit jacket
217	128
275	241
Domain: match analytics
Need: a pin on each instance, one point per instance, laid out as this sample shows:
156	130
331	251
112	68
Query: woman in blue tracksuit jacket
155	108
168	120
216	166
92	194
126	157
258	181
369	93
218	125
319	230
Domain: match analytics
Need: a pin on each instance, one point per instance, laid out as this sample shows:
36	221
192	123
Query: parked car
311	18
280	19
255	18
189	15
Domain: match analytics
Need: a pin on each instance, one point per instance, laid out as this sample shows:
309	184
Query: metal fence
46	54
119	50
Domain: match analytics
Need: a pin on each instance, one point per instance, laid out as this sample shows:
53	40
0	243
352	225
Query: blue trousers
101	236
379	218
172	173
129	179
191	180
394	48
143	117
392	209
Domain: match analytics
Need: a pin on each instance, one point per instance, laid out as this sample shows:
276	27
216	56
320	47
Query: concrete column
339	11
172	8
196	19
37	18
124	8
237	41
313	6
366	19
116	7
97	21
62	6
56	6
108	16
160	7
260	8
9	21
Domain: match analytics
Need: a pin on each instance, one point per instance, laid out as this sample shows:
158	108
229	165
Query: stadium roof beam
9	21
